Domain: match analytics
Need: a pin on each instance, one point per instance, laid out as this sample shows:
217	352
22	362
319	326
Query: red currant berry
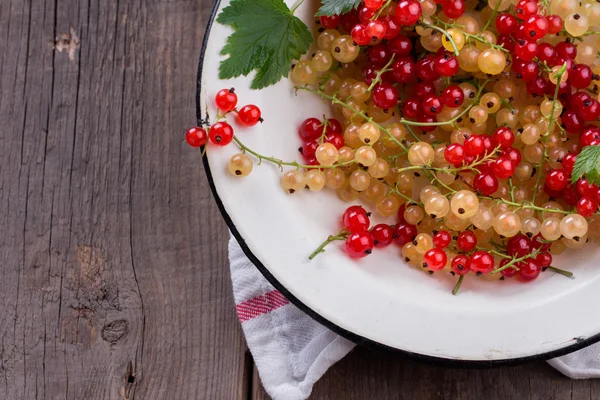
356	219
392	27
481	262
573	122
373	4
529	71
454	9
466	241
424	89
334	126
536	87
425	69
401	210
442	239
508	272
544	259
453	96
585	188
411	109
507	42
581	76
506	23
546	52
568	162
309	148
512	154
400	46
404	71
555	24
566	50
432	105
536	26
336	139
526	8
379	54
428	119
365	15
539	243
504	136
489	144
359	245
455	154
226	99
349	20
529	270
404	233
383	235
330	22
359	35
518	246
249	115
503	167
375	30
526	50
587	206
310	129
474	145
196	136
435	259
590	136
570	195
385	96
557	180
447	65
460	265
221	134
486	184
408	12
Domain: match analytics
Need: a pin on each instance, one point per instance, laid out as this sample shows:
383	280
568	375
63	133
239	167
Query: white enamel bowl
379	300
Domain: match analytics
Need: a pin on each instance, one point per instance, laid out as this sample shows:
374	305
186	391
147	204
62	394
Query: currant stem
515	261
458	284
491	18
335	100
281	163
380	73
566	273
383	7
445	33
342	235
559	76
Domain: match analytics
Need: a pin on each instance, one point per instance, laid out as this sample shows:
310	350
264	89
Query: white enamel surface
381	298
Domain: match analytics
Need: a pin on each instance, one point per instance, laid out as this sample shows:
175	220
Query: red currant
249	115
365	14
404	233
401	46
555	24
359	245
310	129
455	154
587	206
221	134
486	184
573	122
581	76
226	99
349	20
447	65
460	265
526	50
546	52
392	27
442	239
356	219
373	4
557	180
379	54
432	105
504	136
539	243
566	50
518	246
568	162
385	96
330	22
466	241
404	70
334	126
435	259
336	139
426	69
375	30
411	108
512	154
503	167
383	235
474	145
526	8
529	270
453	96
544	259
359	35
309	148
196	136
536	26
585	188
454	9
408	12
506	23
481	262
508	272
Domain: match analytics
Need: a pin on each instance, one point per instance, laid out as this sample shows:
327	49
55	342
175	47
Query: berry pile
463	121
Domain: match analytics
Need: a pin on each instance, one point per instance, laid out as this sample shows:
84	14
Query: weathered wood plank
113	255
371	374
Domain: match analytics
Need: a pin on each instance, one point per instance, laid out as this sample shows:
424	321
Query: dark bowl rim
579	343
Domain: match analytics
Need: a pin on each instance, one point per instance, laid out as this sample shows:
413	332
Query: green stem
414	135
512	189
445	33
539	177
298	4
281	163
405	197
482	40
491	18
515	261
342	235
382	71
335	100
458	284
568	274
383	8
559	76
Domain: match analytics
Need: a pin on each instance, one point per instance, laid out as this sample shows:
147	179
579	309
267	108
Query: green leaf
267	38
337	7
588	165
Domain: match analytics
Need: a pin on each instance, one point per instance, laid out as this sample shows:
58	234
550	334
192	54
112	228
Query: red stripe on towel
260	305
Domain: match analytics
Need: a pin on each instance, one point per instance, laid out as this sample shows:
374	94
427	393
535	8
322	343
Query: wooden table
115	282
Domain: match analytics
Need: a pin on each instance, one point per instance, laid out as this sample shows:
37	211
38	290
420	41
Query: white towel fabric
292	351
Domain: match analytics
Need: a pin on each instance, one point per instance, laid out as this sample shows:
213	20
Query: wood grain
115	280
367	374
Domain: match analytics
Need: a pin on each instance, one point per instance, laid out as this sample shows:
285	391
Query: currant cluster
221	133
463	122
